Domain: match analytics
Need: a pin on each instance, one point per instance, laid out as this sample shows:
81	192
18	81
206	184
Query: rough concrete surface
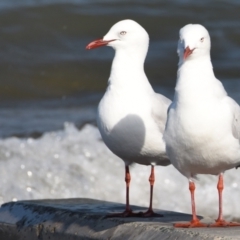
70	219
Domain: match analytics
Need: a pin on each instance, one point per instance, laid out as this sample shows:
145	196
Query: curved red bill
187	52
98	43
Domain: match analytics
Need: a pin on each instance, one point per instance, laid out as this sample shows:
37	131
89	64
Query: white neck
196	69
196	81
127	70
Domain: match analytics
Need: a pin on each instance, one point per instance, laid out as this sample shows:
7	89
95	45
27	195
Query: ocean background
50	87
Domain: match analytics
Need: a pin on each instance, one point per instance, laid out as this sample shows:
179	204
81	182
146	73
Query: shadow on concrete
74	217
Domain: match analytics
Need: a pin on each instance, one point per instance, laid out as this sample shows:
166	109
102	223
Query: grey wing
160	106
236	122
236	119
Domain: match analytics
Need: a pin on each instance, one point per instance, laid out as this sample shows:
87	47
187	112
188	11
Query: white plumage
131	116
202	130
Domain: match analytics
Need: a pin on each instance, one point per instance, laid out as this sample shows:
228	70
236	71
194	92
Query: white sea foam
72	163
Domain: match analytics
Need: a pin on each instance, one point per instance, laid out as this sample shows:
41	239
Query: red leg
128	212
220	222
150	212
195	221
127	180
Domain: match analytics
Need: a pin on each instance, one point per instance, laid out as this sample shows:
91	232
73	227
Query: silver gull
131	116
203	127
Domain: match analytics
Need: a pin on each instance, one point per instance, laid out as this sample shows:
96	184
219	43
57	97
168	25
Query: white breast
198	134
128	128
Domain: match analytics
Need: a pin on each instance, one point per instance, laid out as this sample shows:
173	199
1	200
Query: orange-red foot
126	213
223	223
150	213
192	224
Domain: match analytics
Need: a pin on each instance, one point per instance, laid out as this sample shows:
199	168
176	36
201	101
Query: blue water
43	60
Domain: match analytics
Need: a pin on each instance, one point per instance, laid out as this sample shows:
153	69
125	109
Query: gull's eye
202	39
123	33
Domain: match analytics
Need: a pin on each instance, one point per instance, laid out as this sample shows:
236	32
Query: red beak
98	43
187	52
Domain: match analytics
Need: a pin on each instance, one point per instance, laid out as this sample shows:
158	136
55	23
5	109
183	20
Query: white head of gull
131	116
203	125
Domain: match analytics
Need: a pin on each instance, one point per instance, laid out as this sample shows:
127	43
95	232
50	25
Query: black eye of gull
123	32
202	39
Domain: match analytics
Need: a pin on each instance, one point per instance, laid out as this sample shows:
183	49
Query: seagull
203	126
131	117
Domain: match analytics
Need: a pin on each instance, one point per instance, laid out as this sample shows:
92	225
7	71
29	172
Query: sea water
72	163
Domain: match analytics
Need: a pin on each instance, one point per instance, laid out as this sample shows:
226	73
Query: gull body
203	126
131	116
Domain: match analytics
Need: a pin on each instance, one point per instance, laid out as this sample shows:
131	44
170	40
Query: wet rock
72	219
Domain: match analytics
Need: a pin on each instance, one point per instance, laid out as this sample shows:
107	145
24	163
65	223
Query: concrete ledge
84	219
